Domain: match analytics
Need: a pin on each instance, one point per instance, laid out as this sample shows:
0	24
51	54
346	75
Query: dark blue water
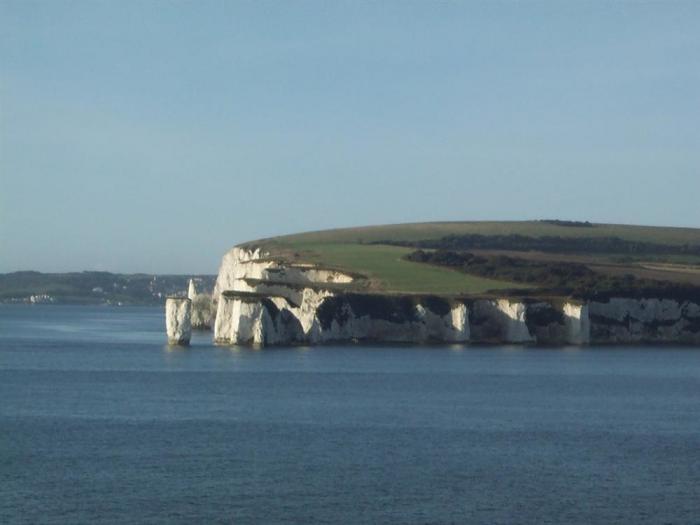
101	422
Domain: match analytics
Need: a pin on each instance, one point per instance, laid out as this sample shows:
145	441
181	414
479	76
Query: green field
385	270
348	249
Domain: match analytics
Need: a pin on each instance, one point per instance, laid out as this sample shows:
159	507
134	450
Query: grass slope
386	270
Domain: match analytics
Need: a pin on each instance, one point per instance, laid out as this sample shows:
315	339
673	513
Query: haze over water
101	421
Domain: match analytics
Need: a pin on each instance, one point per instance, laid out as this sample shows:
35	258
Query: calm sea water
101	422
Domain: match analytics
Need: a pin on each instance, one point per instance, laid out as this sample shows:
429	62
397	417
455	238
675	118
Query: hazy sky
152	136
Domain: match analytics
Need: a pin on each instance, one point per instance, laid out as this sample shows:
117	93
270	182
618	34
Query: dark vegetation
97	287
555	278
569	224
502	267
552	244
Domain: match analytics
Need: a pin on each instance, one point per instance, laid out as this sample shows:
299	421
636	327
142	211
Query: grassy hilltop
500	255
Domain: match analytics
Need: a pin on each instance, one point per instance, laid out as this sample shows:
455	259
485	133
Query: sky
151	136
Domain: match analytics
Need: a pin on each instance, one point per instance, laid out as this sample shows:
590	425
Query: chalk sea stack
178	312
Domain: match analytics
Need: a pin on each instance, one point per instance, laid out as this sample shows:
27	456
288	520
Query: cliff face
241	268
266	302
623	320
324	316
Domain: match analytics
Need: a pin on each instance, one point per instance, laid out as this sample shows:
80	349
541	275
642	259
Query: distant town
96	287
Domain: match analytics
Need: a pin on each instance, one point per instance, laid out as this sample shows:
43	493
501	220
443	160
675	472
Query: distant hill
550	227
96	287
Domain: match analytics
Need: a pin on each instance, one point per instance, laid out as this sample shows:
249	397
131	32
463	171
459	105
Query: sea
102	422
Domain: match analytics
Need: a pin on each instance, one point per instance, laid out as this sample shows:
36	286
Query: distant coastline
30	287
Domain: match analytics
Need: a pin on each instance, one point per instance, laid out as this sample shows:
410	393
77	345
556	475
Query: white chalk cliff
264	301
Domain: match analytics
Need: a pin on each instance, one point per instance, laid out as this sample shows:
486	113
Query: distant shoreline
95	288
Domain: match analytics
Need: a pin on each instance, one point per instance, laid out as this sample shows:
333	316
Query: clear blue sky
152	136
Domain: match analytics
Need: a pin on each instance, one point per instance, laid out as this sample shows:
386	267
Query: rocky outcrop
264	301
499	321
246	318
577	323
191	290
238	264
242	268
404	319
663	320
325	316
203	312
178	311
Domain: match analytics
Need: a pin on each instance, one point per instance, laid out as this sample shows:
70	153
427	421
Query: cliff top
510	256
